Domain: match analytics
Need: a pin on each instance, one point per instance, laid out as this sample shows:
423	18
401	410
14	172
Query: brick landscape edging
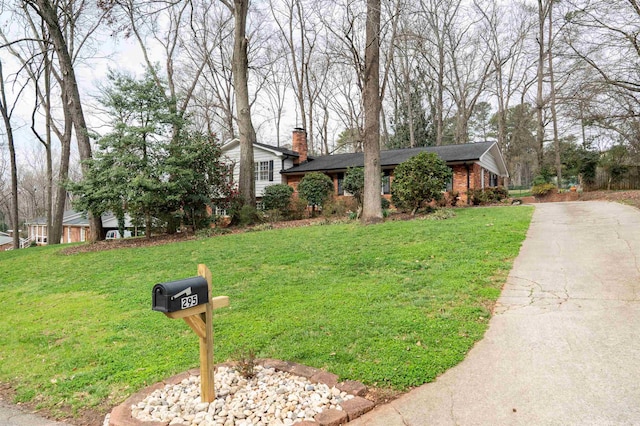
351	409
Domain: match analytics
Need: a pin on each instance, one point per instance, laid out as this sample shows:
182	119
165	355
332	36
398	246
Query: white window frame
262	171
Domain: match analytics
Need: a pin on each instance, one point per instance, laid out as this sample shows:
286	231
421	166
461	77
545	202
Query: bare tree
276	90
299	37
35	57
371	207
543	10
7	111
471	67
552	96
168	24
215	99
440	17
53	17
35	53
505	33
603	37
240	70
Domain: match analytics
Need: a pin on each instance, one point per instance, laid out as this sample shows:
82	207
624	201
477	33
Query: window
340	178
217	211
449	187
264	170
493	179
386	182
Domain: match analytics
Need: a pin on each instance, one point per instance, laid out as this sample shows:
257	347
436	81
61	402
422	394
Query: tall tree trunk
240	70
552	88
5	111
70	85
53	237
440	98
372	209
63	174
408	96
540	77
583	126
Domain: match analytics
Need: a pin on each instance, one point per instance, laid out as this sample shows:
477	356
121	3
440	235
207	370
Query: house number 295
189	301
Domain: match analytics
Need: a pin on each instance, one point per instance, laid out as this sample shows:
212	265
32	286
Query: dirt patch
382	395
168	239
86	417
631	198
158	240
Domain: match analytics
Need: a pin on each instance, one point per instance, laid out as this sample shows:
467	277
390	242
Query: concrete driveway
564	345
10	415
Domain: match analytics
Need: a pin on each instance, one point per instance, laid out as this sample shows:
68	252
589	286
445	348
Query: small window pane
386	182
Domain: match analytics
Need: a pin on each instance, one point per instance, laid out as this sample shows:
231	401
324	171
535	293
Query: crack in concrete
537	296
452	406
635	262
404	422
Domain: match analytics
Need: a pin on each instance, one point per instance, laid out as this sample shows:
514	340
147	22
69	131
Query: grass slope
393	305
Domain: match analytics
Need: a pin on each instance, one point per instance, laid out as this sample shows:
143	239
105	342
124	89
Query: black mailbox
178	295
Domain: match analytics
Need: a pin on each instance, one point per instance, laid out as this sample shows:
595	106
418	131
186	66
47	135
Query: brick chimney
299	145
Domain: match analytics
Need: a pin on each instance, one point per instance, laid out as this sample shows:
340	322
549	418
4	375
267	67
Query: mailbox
182	294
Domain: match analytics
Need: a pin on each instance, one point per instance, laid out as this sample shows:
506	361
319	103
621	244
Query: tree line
536	77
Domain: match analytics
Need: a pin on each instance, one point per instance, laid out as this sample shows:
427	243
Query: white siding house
269	161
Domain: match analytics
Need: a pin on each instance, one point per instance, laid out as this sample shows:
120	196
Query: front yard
392	305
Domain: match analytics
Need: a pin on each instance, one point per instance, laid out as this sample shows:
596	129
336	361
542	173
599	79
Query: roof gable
74	218
280	152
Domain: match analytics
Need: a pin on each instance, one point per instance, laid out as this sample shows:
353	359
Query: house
474	166
6	241
75	227
269	161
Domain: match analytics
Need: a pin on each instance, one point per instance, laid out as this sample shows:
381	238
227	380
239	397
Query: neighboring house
475	165
6	241
269	161
75	227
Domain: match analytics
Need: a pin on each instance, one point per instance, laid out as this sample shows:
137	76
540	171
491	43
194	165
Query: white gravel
269	398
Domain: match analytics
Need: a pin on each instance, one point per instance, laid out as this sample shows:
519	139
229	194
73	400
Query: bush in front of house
477	197
488	195
543	189
298	209
419	180
354	184
338	207
277	197
248	215
384	203
316	188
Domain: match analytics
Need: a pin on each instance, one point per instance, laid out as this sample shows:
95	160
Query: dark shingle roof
275	148
449	153
68	218
74	218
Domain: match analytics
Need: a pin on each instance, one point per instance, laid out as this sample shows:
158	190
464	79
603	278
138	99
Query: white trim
494	152
233	142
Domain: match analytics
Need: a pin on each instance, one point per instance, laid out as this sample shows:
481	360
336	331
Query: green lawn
515	193
392	305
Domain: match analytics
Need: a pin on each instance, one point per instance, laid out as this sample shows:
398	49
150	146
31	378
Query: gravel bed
271	397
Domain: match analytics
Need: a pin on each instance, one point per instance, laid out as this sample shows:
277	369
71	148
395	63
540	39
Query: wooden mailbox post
200	319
